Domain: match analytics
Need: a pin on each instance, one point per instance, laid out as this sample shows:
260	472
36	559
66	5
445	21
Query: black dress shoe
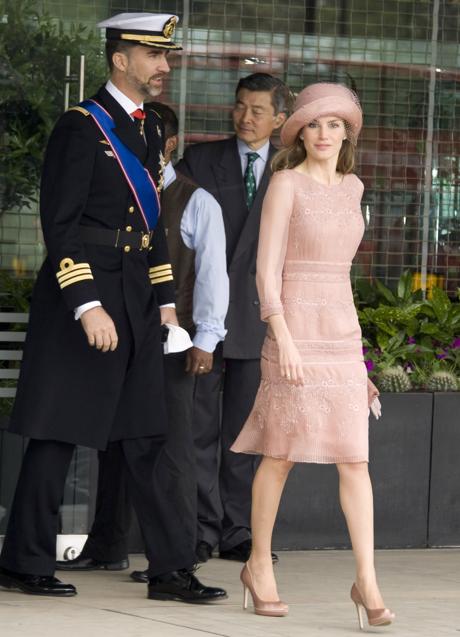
140	576
36	584
88	564
241	553
203	552
183	586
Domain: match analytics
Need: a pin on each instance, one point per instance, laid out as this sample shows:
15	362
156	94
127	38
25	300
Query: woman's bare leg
267	488
357	505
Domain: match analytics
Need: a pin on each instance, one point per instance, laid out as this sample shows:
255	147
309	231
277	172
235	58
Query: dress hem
308	460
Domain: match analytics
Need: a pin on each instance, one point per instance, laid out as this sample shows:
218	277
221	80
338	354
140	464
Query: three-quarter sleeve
273	238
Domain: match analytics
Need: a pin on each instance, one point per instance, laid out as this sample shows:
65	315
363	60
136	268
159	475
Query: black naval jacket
69	391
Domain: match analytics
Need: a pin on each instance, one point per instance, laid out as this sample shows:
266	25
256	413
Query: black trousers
174	482
30	542
224	478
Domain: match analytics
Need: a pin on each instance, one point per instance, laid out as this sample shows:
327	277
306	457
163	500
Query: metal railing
11	341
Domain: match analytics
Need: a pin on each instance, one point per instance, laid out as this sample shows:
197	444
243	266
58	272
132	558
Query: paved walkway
421	586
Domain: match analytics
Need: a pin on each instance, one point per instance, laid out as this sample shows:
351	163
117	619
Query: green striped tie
250	179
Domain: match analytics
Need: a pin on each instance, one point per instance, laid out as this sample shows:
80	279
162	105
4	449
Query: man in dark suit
98	381
236	171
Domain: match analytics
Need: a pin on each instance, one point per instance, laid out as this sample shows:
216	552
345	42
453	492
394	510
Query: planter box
410	510
400	468
400	443
444	524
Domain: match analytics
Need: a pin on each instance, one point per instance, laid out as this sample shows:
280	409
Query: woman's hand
291	367
289	358
372	392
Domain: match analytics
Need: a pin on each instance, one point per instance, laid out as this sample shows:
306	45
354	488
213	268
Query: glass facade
401	56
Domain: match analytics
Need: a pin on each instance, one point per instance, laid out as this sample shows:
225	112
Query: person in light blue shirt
202	231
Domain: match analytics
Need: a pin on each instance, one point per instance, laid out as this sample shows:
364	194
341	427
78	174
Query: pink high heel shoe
269	609
375	616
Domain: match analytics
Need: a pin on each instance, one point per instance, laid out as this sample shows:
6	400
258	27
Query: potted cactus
442	381
394	379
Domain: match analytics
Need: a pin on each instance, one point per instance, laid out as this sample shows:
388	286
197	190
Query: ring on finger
200	366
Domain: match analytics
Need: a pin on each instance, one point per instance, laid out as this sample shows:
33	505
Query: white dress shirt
260	163
125	102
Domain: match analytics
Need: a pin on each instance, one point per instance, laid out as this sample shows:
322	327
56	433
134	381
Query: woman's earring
300	137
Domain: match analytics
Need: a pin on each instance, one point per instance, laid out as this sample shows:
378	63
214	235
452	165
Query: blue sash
138	177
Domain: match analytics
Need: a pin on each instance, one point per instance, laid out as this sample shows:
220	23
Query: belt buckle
145	240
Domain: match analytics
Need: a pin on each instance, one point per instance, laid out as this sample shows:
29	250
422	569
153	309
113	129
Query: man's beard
151	91
145	88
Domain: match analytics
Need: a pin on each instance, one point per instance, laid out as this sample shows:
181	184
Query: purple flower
411	340
455	343
441	355
365	350
369	365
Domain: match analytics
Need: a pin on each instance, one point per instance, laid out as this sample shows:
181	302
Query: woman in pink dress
313	400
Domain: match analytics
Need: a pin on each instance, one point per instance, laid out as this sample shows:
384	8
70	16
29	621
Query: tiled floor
421	586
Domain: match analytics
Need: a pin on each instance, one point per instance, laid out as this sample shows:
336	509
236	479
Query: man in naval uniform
195	233
92	372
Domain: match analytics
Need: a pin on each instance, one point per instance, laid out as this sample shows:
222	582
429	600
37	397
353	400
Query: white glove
178	340
376	408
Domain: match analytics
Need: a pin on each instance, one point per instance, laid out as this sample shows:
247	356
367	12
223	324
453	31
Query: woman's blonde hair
295	154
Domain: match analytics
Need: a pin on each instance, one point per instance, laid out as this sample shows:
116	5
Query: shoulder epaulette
80	109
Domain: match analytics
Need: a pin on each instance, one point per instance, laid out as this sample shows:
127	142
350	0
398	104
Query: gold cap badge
170	27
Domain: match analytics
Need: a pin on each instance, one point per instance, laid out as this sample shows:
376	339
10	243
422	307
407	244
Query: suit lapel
250	230
125	129
230	186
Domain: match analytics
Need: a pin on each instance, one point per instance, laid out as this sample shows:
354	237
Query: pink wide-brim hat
321	100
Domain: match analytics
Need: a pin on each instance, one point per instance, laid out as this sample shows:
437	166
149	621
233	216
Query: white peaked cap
149	29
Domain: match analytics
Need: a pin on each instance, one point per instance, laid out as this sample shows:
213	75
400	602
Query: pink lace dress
309	235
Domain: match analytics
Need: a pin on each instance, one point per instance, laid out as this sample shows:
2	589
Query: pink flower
455	343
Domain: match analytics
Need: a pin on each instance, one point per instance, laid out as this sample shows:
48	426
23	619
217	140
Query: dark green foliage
33	47
400	328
